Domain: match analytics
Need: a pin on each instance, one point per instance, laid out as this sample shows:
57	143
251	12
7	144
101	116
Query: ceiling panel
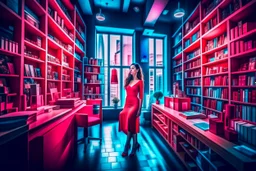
112	4
138	1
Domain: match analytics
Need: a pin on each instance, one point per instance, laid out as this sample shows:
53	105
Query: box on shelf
216	126
178	103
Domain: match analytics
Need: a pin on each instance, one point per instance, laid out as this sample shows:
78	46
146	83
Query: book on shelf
246	150
192	115
9	45
6	65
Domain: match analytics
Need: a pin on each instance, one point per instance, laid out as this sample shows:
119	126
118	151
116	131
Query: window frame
120	67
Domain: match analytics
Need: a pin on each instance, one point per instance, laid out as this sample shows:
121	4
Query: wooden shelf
35	78
53	80
37	8
33	30
79	37
214	110
216	31
244	36
69	68
79	19
55	6
193	86
245	103
79	50
197	104
58	31
8	75
192	59
33	59
243	72
176	73
6	52
215	98
215	86
194	95
193	31
193	77
216	62
177	44
178	56
244	54
53	63
66	81
193	46
190	69
7	13
177	65
29	44
94	83
215	49
243	86
92	73
222	73
78	60
92	65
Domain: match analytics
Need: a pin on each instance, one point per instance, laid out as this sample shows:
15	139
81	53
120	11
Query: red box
177	103
231	135
216	126
182	103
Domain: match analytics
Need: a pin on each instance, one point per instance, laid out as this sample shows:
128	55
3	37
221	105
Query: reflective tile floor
154	154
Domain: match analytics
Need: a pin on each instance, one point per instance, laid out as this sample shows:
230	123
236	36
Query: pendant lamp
178	13
114	79
100	16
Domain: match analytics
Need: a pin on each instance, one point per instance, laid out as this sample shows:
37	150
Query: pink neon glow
156	10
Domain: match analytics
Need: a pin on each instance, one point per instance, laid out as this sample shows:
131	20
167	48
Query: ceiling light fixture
165	12
178	13
100	16
136	9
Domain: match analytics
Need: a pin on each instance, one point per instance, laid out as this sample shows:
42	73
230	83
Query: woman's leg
127	144
135	145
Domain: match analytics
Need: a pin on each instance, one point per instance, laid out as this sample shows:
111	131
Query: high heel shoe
134	149
124	154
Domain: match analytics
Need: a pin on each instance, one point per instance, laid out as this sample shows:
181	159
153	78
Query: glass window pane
159	52
151	81
115	86
115	50
151	52
159	80
102	47
127	50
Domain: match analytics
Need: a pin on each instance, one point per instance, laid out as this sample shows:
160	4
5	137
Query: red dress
127	118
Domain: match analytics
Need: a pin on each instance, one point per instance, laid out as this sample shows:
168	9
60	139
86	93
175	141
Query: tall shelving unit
212	74
93	78
51	46
223	71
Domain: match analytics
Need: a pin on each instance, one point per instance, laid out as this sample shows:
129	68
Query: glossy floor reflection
154	153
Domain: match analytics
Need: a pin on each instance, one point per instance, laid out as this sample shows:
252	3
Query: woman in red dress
129	116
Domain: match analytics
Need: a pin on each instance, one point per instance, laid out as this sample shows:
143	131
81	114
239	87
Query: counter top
220	145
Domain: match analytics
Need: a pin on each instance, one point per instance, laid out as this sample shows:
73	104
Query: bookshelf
196	148
47	45
93	85
219	60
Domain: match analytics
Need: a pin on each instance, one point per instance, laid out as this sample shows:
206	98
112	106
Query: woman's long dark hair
140	75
